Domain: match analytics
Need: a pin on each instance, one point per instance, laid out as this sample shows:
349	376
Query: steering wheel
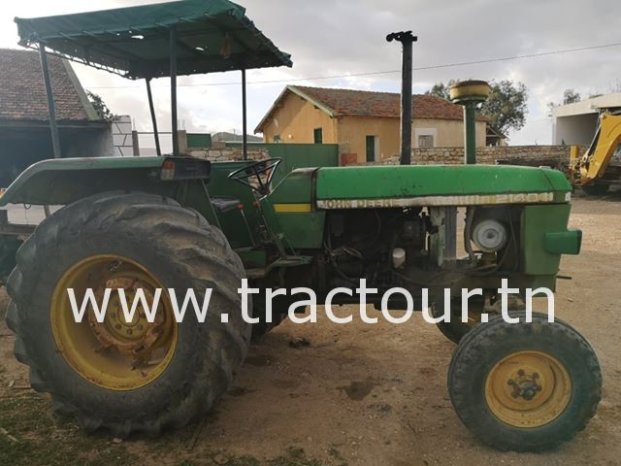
257	175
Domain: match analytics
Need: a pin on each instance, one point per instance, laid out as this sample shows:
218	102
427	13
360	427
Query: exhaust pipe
407	39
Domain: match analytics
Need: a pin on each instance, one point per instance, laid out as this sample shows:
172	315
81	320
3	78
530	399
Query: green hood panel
439	185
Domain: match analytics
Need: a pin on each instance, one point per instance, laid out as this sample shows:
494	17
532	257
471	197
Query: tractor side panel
232	223
294	209
538	224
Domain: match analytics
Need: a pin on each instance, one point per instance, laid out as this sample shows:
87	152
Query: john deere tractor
176	222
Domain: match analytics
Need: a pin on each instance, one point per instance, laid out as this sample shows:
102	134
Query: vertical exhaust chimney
407	39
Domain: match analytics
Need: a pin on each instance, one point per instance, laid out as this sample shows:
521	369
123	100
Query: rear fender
63	181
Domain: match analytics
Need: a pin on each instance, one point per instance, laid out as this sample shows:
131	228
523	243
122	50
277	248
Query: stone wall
220	153
553	156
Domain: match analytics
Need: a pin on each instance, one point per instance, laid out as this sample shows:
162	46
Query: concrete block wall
122	136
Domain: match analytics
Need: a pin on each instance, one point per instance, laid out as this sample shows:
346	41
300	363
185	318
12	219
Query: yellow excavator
599	167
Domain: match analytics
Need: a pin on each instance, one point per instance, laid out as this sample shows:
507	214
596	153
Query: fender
63	181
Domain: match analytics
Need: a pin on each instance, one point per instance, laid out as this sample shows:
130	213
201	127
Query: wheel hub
528	389
135	337
115	353
525	386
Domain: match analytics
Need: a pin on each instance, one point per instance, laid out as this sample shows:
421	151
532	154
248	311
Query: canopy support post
51	105
244	116
156	134
173	90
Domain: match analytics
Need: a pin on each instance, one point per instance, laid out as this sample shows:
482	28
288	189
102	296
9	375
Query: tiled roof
348	102
22	91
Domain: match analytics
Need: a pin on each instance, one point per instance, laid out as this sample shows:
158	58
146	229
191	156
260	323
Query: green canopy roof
212	36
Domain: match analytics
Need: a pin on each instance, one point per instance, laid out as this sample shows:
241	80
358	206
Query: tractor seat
225	204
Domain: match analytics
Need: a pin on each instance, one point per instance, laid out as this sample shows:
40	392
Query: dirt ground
358	395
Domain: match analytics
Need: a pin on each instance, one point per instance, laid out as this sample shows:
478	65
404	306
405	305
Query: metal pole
470	157
51	105
153	118
406	105
407	39
173	89
244	117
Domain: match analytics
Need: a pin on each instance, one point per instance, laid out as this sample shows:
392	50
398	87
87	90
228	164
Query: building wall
352	133
122	136
295	121
575	129
87	142
449	133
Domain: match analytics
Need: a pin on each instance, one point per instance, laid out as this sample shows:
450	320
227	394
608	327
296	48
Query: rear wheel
138	375
526	386
456	329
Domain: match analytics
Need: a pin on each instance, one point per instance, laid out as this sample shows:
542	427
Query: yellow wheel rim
113	354
528	389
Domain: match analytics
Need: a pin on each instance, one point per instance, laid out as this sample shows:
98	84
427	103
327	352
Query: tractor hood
438	185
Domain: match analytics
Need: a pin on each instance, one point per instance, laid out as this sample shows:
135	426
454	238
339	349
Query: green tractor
175	222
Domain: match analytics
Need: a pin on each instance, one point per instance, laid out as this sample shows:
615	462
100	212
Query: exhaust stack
407	39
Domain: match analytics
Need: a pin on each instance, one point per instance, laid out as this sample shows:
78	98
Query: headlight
489	235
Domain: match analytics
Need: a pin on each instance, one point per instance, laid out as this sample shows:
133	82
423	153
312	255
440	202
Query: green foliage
505	108
100	106
570	96
441	90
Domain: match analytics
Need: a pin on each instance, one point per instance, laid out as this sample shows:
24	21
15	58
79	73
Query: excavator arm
595	164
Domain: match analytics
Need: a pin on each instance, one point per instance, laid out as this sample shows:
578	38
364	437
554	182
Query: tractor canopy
211	36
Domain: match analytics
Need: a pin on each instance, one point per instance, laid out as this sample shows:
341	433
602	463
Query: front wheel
146	374
525	386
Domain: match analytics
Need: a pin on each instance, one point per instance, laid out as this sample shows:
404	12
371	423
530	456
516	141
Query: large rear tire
128	376
525	386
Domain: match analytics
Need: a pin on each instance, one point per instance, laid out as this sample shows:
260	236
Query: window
425	141
318	135
276	139
425	138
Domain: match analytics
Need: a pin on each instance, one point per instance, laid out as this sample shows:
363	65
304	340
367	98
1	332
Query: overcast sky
345	37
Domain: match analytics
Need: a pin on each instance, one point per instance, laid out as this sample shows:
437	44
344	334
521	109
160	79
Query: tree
441	90
505	108
570	96
100	106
